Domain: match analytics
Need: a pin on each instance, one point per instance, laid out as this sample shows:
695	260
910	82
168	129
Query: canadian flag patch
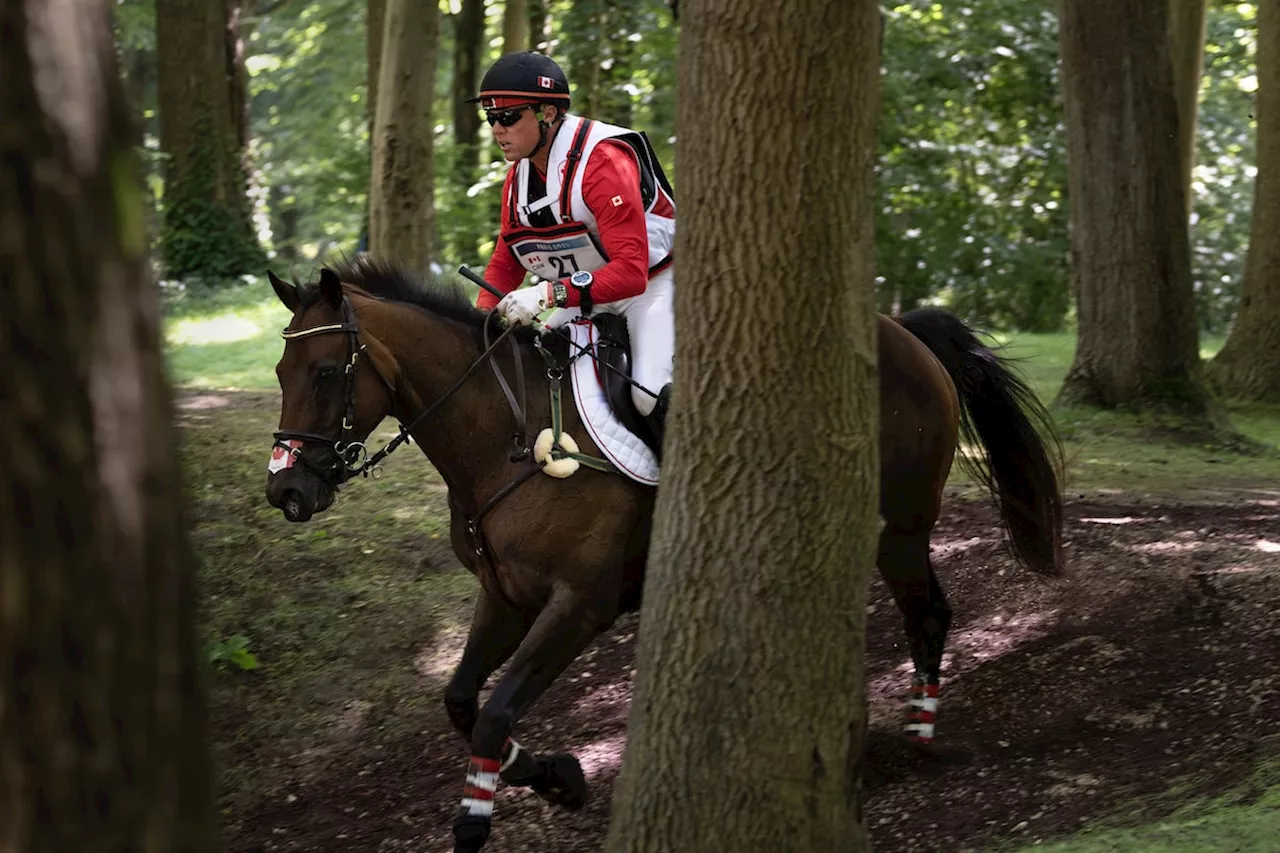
282	456
617	201
546	83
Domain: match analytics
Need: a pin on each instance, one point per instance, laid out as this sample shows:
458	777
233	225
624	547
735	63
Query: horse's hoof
470	832
564	785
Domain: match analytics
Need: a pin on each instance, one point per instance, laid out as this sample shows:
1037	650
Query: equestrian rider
587	208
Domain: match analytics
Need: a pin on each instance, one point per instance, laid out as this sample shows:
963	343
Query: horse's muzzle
298	497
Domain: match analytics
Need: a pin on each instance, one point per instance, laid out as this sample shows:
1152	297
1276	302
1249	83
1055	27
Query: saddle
613	347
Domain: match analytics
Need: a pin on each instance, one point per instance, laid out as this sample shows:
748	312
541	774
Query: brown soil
1151	670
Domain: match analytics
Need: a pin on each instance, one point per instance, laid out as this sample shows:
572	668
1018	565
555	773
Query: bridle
351	458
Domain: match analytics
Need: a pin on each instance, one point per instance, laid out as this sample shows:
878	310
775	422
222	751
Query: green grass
1246	820
225	339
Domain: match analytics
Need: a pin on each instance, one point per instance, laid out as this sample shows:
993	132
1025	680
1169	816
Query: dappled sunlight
1166	547
1122	519
221	329
603	756
202	402
951	546
441	657
999	635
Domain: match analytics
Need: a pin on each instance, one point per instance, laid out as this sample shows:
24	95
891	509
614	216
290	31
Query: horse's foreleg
496	631
904	563
568	623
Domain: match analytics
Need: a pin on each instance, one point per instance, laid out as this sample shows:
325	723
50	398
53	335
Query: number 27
564	264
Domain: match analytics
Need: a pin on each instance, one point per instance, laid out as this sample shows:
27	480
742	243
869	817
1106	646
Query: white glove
522	307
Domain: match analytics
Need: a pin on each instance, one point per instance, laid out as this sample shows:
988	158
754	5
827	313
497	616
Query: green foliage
307	70
232	652
973	163
972	207
203	240
1223	177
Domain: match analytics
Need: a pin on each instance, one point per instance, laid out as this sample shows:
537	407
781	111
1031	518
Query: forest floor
1143	680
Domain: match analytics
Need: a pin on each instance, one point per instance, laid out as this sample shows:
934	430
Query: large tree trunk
1186	48
468	44
401	209
515	26
375	23
537	23
1131	257
747	727
237	75
1249	365
102	722
208	229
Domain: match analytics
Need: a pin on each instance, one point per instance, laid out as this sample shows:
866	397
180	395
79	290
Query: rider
586	207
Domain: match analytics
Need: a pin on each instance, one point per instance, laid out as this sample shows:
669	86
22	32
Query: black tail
1000	414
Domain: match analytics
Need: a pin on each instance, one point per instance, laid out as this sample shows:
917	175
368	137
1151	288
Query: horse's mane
385	280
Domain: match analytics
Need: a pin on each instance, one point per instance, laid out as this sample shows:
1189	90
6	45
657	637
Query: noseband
352	457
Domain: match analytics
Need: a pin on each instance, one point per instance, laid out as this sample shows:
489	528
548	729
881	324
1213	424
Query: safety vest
573	242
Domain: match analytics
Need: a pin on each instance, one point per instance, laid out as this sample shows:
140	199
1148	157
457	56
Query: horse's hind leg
566	626
904	563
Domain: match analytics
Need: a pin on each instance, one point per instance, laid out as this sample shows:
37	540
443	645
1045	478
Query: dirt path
1151	669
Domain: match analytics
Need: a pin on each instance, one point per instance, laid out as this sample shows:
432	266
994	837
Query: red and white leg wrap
922	709
482	782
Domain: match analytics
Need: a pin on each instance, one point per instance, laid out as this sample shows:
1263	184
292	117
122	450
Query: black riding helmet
524	78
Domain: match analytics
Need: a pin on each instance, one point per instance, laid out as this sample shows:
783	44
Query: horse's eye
324	374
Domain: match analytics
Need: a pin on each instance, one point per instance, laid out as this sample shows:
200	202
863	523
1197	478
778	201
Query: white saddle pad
620	445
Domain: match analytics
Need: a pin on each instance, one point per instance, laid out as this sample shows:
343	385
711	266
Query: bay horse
559	559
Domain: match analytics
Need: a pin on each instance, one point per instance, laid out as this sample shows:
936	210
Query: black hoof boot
563	784
470	832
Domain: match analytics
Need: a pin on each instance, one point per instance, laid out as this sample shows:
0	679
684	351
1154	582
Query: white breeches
651	324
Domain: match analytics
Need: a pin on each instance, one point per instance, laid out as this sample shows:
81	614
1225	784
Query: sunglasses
507	118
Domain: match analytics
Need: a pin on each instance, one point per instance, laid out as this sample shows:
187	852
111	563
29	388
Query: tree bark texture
1131	257
375	23
515	26
537	23
468	47
208	228
401	208
103	736
1186	50
747	727
1248	367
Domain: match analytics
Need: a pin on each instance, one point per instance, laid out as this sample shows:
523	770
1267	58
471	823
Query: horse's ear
287	292
330	287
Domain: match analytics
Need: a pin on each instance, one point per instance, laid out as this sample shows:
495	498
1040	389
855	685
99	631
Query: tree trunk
237	76
1186	46
537	23
468	46
208	230
102	722
747	726
375	23
1249	365
515	26
401	209
1131	257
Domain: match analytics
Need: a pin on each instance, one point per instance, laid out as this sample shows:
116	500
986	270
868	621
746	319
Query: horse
558	559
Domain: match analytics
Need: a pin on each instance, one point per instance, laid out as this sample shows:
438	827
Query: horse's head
332	398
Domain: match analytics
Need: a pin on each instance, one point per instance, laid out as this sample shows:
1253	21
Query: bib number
565	265
560	256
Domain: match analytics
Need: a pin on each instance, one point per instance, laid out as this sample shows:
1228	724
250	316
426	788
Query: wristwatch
559	294
582	280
